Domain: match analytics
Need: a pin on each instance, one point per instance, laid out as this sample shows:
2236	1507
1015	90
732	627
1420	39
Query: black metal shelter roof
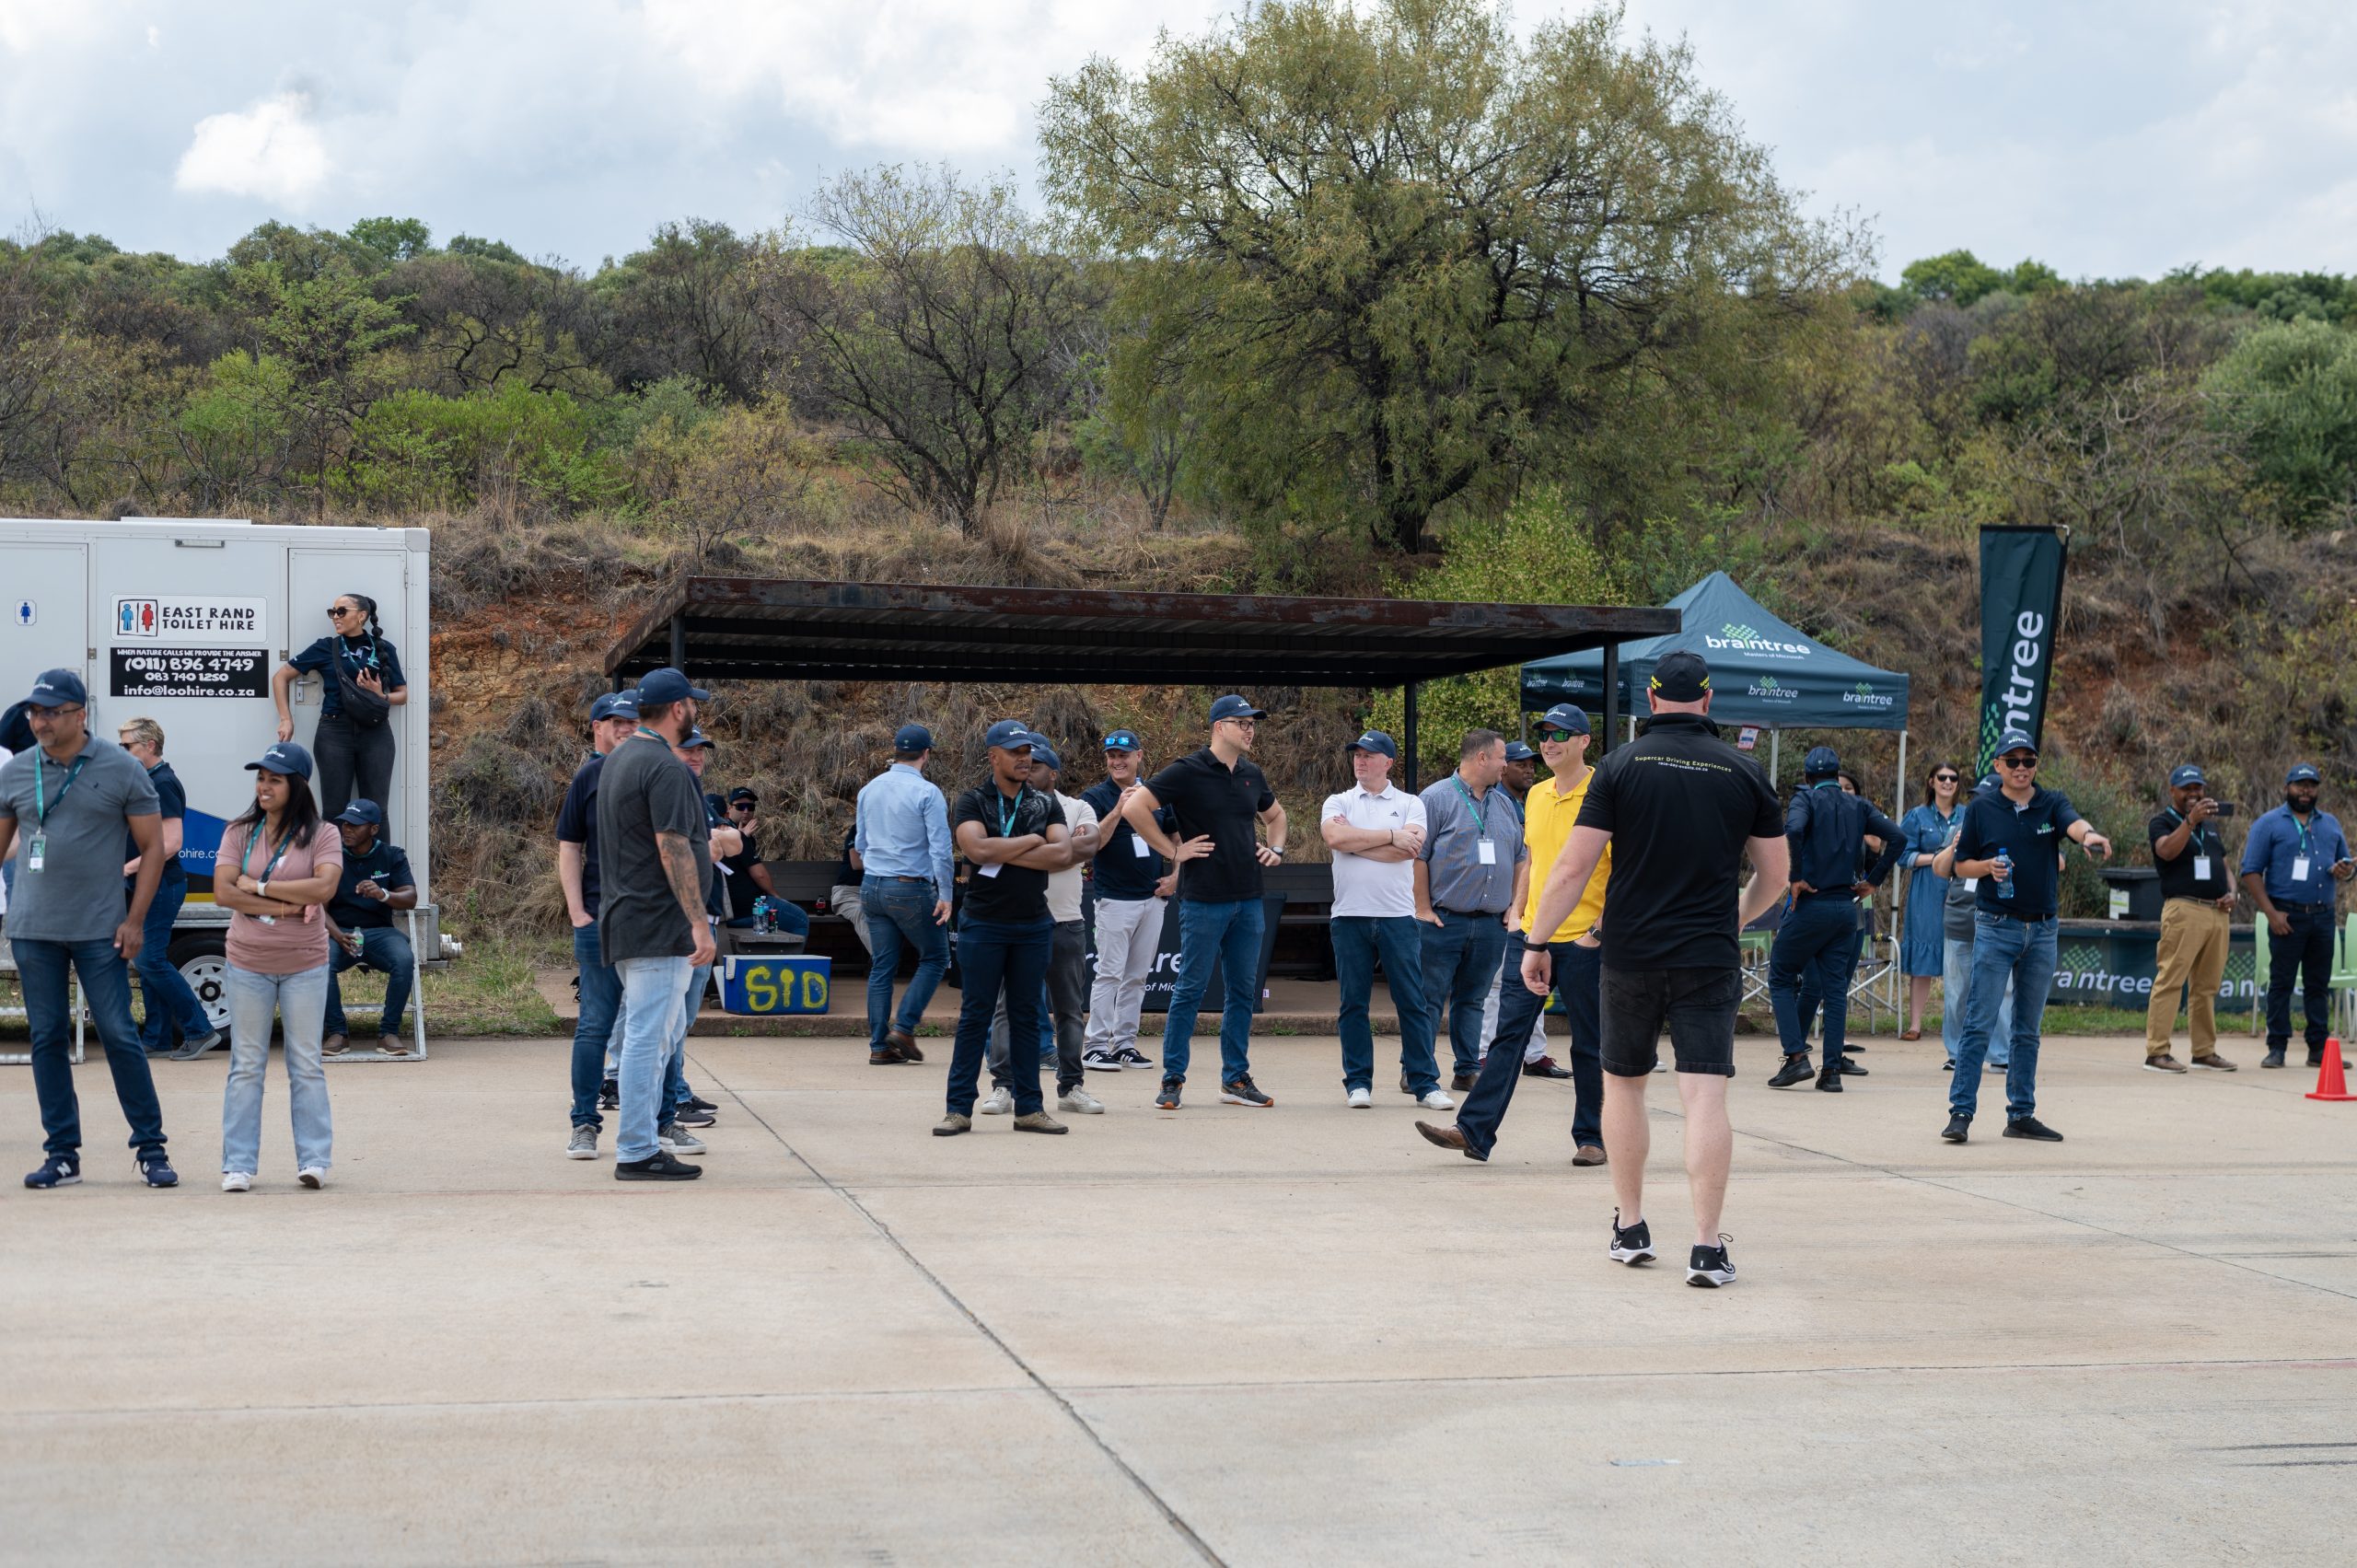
764	629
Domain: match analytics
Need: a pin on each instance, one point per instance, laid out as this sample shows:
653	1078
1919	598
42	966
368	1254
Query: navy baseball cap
2015	741
747	795
59	689
2187	774
912	738
1681	677
1235	707
363	814
696	737
1044	755
1517	753
1008	735
614	705
1564	716
1124	740
284	759
1820	764
667	685
1374	740
2302	772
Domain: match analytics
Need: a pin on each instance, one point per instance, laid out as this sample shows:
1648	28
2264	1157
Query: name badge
1138	846
1487	852
1970	883
2300	868
992	869
2202	869
36	850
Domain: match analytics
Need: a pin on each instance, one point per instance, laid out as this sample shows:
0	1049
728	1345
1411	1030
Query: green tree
2289	394
396	240
1958	278
1411	255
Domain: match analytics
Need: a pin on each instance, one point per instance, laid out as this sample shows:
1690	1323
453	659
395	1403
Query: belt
1469	914
2306	909
881	877
2016	914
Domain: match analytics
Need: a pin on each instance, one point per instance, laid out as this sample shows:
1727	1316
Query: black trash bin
2135	892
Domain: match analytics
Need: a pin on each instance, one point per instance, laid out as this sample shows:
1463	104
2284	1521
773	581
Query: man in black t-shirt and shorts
1680	809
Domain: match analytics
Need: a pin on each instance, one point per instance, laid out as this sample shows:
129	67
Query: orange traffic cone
2330	1084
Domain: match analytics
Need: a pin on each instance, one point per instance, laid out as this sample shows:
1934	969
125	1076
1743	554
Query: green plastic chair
2340	982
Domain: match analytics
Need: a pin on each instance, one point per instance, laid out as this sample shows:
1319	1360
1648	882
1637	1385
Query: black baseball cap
1681	677
1822	762
747	795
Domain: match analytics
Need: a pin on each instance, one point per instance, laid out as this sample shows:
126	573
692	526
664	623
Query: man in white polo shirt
1375	830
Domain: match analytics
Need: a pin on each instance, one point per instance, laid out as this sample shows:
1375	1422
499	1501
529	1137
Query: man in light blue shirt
902	838
2291	860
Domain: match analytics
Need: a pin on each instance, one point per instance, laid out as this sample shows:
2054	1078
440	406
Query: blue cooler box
754	984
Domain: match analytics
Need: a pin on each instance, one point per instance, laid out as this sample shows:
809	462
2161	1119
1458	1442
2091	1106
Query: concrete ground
1299	1335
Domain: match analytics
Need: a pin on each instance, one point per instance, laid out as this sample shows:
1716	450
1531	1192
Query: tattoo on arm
679	866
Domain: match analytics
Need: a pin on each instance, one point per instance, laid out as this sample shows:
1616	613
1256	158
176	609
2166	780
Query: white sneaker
1081	1101
1361	1099
237	1181
312	1176
1000	1101
1435	1100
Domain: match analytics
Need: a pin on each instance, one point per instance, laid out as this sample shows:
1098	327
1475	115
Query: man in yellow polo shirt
1549	812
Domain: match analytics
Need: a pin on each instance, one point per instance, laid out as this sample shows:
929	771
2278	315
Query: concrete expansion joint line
1185	1531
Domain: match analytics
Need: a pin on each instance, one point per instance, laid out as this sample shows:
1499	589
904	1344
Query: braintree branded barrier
2021	611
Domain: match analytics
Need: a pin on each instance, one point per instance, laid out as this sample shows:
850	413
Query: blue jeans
172	1008
106	986
676	1092
1955	977
386	950
902	912
1579	980
298	1001
652	990
1358	939
996	958
1226	933
601	997
1462	957
1815	954
2308	950
2004	949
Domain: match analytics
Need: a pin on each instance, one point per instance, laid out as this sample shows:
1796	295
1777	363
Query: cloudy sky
2104	138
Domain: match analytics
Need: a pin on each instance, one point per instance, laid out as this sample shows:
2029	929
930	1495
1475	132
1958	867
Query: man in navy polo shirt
2292	857
2009	839
1815	952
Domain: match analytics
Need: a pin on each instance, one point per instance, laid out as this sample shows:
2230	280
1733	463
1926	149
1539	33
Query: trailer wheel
202	958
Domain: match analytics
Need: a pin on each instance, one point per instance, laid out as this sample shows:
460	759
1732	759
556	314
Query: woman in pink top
276	869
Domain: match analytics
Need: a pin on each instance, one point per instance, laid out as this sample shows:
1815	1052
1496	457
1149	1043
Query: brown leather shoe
392	1045
1040	1122
1589	1155
2163	1063
335	1045
2215	1062
888	1055
1461	1082
1545	1067
905	1044
1448	1137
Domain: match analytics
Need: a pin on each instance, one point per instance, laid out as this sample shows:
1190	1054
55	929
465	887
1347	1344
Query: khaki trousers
2192	954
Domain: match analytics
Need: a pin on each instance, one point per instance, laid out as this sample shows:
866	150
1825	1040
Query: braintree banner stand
1763	672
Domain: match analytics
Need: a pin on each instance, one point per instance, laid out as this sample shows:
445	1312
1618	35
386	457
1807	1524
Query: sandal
1911	1034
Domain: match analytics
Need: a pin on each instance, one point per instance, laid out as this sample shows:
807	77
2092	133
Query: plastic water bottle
2005	882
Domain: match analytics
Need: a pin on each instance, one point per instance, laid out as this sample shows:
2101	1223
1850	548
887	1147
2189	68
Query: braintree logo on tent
1768	691
1738	638
1865	696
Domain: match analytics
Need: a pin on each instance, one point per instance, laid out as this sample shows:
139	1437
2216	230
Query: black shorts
1697	1006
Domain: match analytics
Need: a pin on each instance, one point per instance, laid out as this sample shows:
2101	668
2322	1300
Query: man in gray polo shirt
68	801
1470	878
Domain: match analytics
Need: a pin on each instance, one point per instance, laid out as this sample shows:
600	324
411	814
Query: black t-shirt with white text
1013	895
1681	805
1207	796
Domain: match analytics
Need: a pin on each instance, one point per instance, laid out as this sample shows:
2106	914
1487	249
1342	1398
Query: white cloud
270	150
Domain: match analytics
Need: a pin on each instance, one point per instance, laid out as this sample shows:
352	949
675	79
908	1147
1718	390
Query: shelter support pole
1407	715
1775	759
1899	904
1611	692
679	643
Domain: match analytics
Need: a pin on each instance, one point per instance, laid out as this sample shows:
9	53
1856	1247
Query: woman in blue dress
1922	949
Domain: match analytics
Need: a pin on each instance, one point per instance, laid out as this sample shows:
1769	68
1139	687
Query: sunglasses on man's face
2020	764
1556	735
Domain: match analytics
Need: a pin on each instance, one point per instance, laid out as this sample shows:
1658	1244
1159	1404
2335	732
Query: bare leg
1919	996
1710	1148
1627	1140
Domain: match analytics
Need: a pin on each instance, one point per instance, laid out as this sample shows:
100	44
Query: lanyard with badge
37	847
246	860
1007	817
1485	849
2302	861
2202	848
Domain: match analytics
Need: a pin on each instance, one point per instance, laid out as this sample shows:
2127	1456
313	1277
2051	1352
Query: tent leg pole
1776	760
1408	712
1898	904
1611	692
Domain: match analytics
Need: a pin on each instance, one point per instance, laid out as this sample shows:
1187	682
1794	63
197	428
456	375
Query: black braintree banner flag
2021	611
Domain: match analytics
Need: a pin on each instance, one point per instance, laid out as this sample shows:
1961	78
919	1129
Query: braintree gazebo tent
1762	671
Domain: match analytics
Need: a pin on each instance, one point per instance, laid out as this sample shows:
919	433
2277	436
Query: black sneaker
1632	1243
156	1171
1830	1080
57	1171
1796	1070
1131	1056
1850	1068
689	1116
2272	1058
2031	1127
1244	1092
1710	1267
1099	1060
609	1095
697	1102
1959	1127
658	1167
1169	1098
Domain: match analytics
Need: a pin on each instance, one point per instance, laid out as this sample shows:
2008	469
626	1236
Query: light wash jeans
2004	948
299	1001
1955	979
653	991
